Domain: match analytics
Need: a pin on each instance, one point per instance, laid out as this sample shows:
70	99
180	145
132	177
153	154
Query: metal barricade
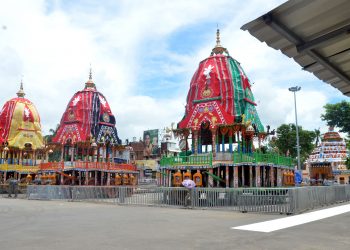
266	200
262	200
39	192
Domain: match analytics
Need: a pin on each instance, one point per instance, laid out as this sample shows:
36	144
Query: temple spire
218	49
90	83
20	92
218	38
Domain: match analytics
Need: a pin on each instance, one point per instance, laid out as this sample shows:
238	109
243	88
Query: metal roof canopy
315	33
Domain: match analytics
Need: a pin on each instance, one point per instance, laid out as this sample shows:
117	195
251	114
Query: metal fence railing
5	188
266	200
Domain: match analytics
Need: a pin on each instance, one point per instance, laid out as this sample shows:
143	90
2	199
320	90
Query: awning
315	33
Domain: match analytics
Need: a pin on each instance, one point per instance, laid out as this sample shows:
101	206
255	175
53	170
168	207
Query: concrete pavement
29	224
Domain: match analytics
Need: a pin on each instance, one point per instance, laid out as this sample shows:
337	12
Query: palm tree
52	134
318	136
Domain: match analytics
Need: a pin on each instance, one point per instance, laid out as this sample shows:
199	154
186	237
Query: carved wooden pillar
213	133
167	178
46	156
272	176
73	179
192	143
72	154
34	158
264	176
199	142
224	131
243	177
220	176
230	134
210	178
95	154
21	157
235	176
227	177
62	152
79	178
257	176
108	178
279	177
250	176
87	178
195	134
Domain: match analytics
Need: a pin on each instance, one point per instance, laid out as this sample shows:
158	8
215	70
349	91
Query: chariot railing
261	158
234	157
201	159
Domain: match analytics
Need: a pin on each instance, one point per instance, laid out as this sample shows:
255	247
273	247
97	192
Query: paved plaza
29	224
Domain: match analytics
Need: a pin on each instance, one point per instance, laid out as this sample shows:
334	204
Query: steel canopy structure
315	33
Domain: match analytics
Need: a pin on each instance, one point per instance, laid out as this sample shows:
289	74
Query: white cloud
52	45
276	105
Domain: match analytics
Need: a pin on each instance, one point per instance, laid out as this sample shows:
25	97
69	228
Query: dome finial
90	83
20	92
218	49
217	36
90	75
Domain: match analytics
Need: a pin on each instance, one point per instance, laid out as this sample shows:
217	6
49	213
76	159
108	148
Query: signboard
147	164
148	172
151	144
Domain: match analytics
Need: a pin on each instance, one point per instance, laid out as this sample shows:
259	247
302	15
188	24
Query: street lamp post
295	89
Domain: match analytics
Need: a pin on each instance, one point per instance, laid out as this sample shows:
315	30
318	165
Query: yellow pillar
34	158
87	178
21	157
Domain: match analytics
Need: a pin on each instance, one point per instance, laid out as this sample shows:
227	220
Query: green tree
347	163
48	138
338	115
55	155
318	136
286	141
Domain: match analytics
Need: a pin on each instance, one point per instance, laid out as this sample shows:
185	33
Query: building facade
328	160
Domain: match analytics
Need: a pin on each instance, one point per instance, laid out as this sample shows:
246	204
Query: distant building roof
137	146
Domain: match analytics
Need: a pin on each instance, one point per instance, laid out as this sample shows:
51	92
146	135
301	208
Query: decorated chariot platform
230	169
84	150
222	131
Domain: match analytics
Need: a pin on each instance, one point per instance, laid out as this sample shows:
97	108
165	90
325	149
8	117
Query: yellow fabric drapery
25	130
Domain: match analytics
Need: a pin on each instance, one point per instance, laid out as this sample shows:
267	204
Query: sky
143	55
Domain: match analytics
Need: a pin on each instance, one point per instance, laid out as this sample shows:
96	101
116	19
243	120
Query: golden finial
218	49
90	83
20	92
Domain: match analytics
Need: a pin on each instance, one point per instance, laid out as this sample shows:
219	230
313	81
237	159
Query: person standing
13	187
189	185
